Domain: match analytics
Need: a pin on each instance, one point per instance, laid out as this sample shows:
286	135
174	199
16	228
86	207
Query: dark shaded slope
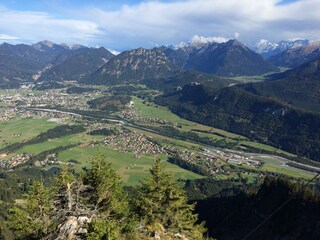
259	118
299	87
133	66
77	64
229	59
234	217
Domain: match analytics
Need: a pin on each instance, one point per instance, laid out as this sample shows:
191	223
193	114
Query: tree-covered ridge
93	205
299	86
256	117
233	215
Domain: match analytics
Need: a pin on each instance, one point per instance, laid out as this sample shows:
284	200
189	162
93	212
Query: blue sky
123	24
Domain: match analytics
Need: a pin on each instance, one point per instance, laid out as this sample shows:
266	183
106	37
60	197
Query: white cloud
4	37
153	22
200	41
203	40
114	52
170	22
35	26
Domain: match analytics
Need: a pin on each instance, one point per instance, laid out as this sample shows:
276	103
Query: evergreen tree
113	220
32	221
162	205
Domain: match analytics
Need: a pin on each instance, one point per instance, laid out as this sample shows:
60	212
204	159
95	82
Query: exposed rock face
73	228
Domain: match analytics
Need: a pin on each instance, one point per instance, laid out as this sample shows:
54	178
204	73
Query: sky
127	24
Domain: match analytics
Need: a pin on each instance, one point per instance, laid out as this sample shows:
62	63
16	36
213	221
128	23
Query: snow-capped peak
46	43
200	41
181	45
114	52
265	46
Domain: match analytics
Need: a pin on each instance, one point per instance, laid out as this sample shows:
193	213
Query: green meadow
131	169
23	130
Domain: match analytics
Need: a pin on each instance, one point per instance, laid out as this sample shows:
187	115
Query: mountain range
76	64
230	58
134	65
295	56
268	49
47	61
197	82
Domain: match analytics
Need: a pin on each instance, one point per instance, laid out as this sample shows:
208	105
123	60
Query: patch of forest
261	119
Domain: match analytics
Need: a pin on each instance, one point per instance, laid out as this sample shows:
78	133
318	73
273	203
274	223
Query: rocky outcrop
72	228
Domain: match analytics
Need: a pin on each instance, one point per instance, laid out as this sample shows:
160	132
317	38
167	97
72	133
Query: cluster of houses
132	142
236	159
14	161
131	113
53	97
7	114
91	126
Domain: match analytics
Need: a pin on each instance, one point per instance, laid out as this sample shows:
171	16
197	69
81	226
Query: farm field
266	147
155	111
132	169
23	129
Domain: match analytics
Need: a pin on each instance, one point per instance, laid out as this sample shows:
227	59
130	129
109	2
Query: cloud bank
151	23
25	26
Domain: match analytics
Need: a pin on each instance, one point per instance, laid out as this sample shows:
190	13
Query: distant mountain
257	117
297	55
19	62
268	49
299	87
230	58
198	42
47	46
133	66
52	50
48	61
73	65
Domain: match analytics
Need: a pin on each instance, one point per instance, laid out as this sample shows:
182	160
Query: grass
266	147
292	172
214	131
81	138
131	169
147	109
11	92
155	111
23	129
167	140
6	104
255	78
247	79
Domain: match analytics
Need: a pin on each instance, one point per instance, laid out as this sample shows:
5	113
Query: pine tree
162	205
33	220
113	220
